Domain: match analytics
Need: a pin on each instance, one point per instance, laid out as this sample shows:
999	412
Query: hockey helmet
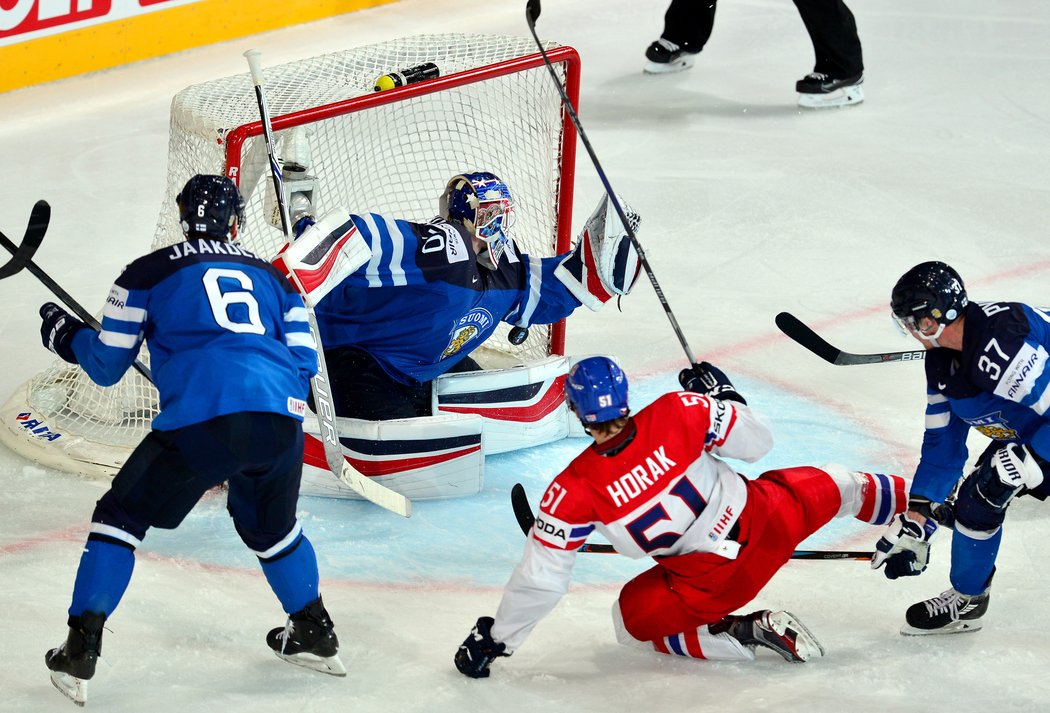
930	289
596	389
211	206
483	203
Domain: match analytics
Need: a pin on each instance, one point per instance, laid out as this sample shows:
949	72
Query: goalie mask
481	202
211	206
596	389
929	290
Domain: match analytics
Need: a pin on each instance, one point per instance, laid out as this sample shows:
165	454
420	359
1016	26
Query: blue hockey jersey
998	384
423	302
226	333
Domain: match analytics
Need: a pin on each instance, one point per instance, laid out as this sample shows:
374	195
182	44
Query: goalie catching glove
604	262
479	650
57	330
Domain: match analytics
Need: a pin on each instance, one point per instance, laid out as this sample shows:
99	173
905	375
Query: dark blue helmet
930	289
211	206
483	203
596	388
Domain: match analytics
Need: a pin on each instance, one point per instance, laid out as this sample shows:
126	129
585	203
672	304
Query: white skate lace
817	76
668	45
949	602
285	635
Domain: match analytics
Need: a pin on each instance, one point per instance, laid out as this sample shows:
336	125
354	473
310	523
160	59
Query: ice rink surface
750	207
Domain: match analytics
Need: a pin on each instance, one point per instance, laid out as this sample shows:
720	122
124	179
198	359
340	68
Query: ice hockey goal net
493	108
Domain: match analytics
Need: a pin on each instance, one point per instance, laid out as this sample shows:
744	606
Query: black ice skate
780	631
308	639
819	91
73	663
949	613
665	56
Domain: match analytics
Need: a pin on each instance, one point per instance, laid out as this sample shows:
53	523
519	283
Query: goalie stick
794	328
361	484
532	12
21	254
42	216
523	514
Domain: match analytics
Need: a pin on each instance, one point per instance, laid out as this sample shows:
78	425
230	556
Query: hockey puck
518	335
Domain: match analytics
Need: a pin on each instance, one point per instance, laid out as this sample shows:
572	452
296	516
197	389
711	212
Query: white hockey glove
905	547
605	262
325	254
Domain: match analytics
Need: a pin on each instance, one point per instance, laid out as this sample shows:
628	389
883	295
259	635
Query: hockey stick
48	282
355	480
523	514
794	328
532	12
39	219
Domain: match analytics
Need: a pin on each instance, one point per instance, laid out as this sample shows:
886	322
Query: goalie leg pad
423	458
522	406
605	262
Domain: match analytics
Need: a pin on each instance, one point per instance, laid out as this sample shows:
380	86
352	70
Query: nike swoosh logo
474	280
941	387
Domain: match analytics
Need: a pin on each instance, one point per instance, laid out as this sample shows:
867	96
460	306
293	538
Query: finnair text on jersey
640	478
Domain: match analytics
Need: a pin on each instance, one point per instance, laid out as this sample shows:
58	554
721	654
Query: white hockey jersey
662	494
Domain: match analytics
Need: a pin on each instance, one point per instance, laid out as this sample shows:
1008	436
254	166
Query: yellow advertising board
44	40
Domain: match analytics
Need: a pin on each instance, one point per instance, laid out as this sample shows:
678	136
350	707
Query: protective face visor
910	325
493	218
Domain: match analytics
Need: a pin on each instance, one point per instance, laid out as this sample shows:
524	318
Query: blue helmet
596	388
483	203
210	205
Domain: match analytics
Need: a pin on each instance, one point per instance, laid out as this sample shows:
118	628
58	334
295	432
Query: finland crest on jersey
474	324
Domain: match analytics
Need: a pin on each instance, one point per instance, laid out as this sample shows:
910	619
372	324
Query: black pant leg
833	31
361	389
689	23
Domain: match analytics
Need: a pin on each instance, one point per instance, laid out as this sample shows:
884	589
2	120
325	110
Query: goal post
493	108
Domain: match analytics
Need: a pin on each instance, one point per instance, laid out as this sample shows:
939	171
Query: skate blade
806	645
846	96
679	65
73	688
958	627
331	665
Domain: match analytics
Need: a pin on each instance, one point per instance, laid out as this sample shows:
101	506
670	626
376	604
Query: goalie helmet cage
493	108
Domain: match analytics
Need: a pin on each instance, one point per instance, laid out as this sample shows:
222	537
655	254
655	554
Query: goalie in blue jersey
231	354
400	303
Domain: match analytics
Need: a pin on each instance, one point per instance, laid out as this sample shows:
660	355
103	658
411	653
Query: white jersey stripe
119	340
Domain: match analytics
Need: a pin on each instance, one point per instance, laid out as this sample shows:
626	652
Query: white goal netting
494	108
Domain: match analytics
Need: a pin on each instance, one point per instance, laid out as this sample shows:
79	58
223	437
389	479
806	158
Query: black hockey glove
707	379
57	330
905	547
478	651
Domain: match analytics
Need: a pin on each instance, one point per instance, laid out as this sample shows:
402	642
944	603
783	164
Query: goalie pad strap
327	253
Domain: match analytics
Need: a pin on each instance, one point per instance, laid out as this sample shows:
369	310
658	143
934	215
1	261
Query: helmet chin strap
932	338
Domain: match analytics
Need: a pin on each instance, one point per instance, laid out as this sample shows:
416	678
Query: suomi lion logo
471	325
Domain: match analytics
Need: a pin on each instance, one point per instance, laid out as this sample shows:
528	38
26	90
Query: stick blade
532	12
793	327
522	510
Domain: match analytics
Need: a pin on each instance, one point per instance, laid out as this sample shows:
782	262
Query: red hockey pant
684	592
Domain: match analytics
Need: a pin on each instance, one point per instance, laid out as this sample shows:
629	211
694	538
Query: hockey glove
905	547
706	378
57	330
477	652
